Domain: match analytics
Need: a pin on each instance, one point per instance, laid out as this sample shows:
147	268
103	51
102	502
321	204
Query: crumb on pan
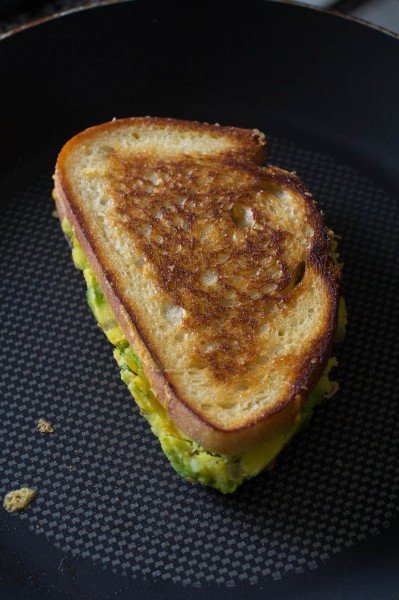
55	214
19	499
334	390
45	426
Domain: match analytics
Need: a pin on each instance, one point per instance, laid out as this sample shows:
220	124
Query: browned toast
218	270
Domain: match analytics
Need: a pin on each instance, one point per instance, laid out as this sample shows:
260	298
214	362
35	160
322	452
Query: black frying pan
111	518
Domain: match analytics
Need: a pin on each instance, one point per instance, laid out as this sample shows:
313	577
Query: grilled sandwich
214	278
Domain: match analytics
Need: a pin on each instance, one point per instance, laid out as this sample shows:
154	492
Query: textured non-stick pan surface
111	517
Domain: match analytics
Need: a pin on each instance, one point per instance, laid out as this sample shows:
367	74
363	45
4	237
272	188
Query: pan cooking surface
106	491
111	516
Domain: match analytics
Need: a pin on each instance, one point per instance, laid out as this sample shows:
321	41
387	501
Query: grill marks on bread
217	269
210	234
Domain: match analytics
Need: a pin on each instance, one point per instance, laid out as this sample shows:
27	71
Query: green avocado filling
188	458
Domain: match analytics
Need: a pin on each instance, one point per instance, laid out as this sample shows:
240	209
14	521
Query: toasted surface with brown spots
218	269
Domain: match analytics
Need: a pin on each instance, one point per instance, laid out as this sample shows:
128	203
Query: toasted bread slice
218	270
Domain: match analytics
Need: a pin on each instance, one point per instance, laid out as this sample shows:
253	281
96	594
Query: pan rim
84	7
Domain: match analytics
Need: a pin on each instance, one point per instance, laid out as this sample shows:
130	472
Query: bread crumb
45	426
19	499
334	389
55	214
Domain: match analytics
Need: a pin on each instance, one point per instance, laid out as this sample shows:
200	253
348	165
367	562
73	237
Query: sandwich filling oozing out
188	458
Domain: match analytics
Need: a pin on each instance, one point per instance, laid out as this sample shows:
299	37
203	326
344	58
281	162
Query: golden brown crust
246	144
225	363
